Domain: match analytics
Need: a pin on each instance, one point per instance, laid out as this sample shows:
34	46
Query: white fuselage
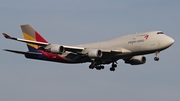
135	44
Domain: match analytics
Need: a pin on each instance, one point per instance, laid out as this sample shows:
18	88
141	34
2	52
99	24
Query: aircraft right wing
26	41
58	49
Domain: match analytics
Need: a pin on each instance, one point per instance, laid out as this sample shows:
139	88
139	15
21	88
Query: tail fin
30	34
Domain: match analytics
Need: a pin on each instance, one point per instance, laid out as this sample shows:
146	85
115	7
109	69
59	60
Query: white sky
73	22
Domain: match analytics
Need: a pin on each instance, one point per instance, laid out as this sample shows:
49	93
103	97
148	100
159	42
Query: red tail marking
40	38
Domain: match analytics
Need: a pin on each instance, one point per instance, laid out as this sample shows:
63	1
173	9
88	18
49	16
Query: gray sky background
73	22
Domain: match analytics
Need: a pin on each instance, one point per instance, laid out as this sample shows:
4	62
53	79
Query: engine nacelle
136	60
57	49
94	53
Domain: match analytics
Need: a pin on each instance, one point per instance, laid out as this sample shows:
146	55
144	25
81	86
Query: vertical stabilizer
30	34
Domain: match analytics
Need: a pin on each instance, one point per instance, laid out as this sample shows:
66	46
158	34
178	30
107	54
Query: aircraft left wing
22	52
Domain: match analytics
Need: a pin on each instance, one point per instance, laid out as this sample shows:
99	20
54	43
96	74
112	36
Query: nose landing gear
156	58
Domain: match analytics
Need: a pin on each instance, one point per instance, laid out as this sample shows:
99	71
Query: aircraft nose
166	42
170	41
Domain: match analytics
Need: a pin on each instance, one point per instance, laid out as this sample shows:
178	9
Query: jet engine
56	49
136	60
94	53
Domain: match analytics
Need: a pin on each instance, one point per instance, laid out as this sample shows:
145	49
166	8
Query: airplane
130	48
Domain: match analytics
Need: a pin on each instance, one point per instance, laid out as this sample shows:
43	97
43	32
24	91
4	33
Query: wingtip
5	49
6	35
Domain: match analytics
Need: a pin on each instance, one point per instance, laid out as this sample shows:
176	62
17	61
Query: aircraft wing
21	52
81	50
67	48
26	41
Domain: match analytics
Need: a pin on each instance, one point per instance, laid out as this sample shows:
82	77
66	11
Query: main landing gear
156	58
93	65
113	66
99	67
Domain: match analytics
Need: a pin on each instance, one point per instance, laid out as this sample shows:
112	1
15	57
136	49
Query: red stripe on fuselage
55	57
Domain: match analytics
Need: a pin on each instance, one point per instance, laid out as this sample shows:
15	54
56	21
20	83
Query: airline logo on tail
30	34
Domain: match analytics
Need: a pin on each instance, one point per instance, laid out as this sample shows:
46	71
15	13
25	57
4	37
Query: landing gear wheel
114	65
91	66
112	69
102	67
156	58
99	67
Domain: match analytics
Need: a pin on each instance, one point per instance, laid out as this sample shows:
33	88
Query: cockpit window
160	33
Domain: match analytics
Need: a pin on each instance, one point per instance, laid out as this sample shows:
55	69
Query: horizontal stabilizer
6	36
21	52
